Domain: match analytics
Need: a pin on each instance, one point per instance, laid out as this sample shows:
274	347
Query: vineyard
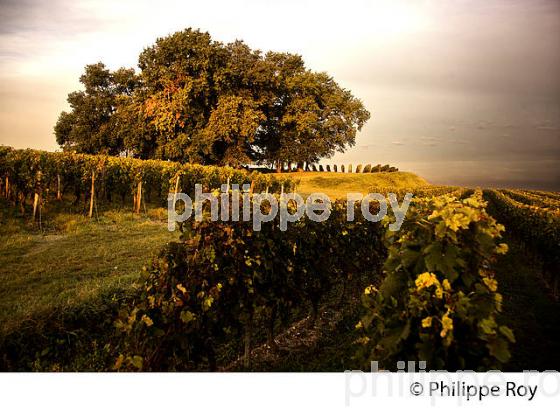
39	177
221	296
534	216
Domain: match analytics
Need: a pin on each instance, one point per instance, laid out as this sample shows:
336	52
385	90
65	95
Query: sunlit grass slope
337	185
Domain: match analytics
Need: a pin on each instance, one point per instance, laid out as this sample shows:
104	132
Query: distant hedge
358	170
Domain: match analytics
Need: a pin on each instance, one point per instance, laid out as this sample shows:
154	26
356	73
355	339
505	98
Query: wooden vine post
36	197
138	200
35	205
7	187
178	179
58	194
92	194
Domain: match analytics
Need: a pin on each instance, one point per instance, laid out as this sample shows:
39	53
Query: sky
460	92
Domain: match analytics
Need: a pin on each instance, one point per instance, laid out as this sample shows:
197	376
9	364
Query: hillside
337	185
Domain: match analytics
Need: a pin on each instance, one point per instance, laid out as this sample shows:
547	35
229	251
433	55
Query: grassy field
337	185
76	260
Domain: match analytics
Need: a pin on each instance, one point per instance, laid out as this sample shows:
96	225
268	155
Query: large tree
199	100
91	126
309	116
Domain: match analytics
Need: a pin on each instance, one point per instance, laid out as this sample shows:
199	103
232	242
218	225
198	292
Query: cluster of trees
198	100
366	169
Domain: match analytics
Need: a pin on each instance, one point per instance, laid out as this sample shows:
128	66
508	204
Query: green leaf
499	349
187	316
508	333
137	362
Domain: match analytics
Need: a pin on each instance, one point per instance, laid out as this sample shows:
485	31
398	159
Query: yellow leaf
146	319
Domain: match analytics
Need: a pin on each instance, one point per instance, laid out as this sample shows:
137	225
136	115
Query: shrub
223	278
367	169
439	300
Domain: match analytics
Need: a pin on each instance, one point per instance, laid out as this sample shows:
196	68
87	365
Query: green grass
337	185
76	262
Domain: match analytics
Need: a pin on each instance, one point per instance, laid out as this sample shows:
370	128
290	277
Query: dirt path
329	346
528	308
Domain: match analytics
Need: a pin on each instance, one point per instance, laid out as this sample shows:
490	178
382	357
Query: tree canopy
198	100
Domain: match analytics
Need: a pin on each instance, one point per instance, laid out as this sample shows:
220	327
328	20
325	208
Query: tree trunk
248	334
314	312
21	202
270	331
211	354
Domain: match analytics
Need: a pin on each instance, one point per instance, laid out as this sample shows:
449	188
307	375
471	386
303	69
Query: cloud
430	141
444	80
459	141
55	18
433	139
547	128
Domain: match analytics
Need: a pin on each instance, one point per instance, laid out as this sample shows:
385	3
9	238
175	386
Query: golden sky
462	92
